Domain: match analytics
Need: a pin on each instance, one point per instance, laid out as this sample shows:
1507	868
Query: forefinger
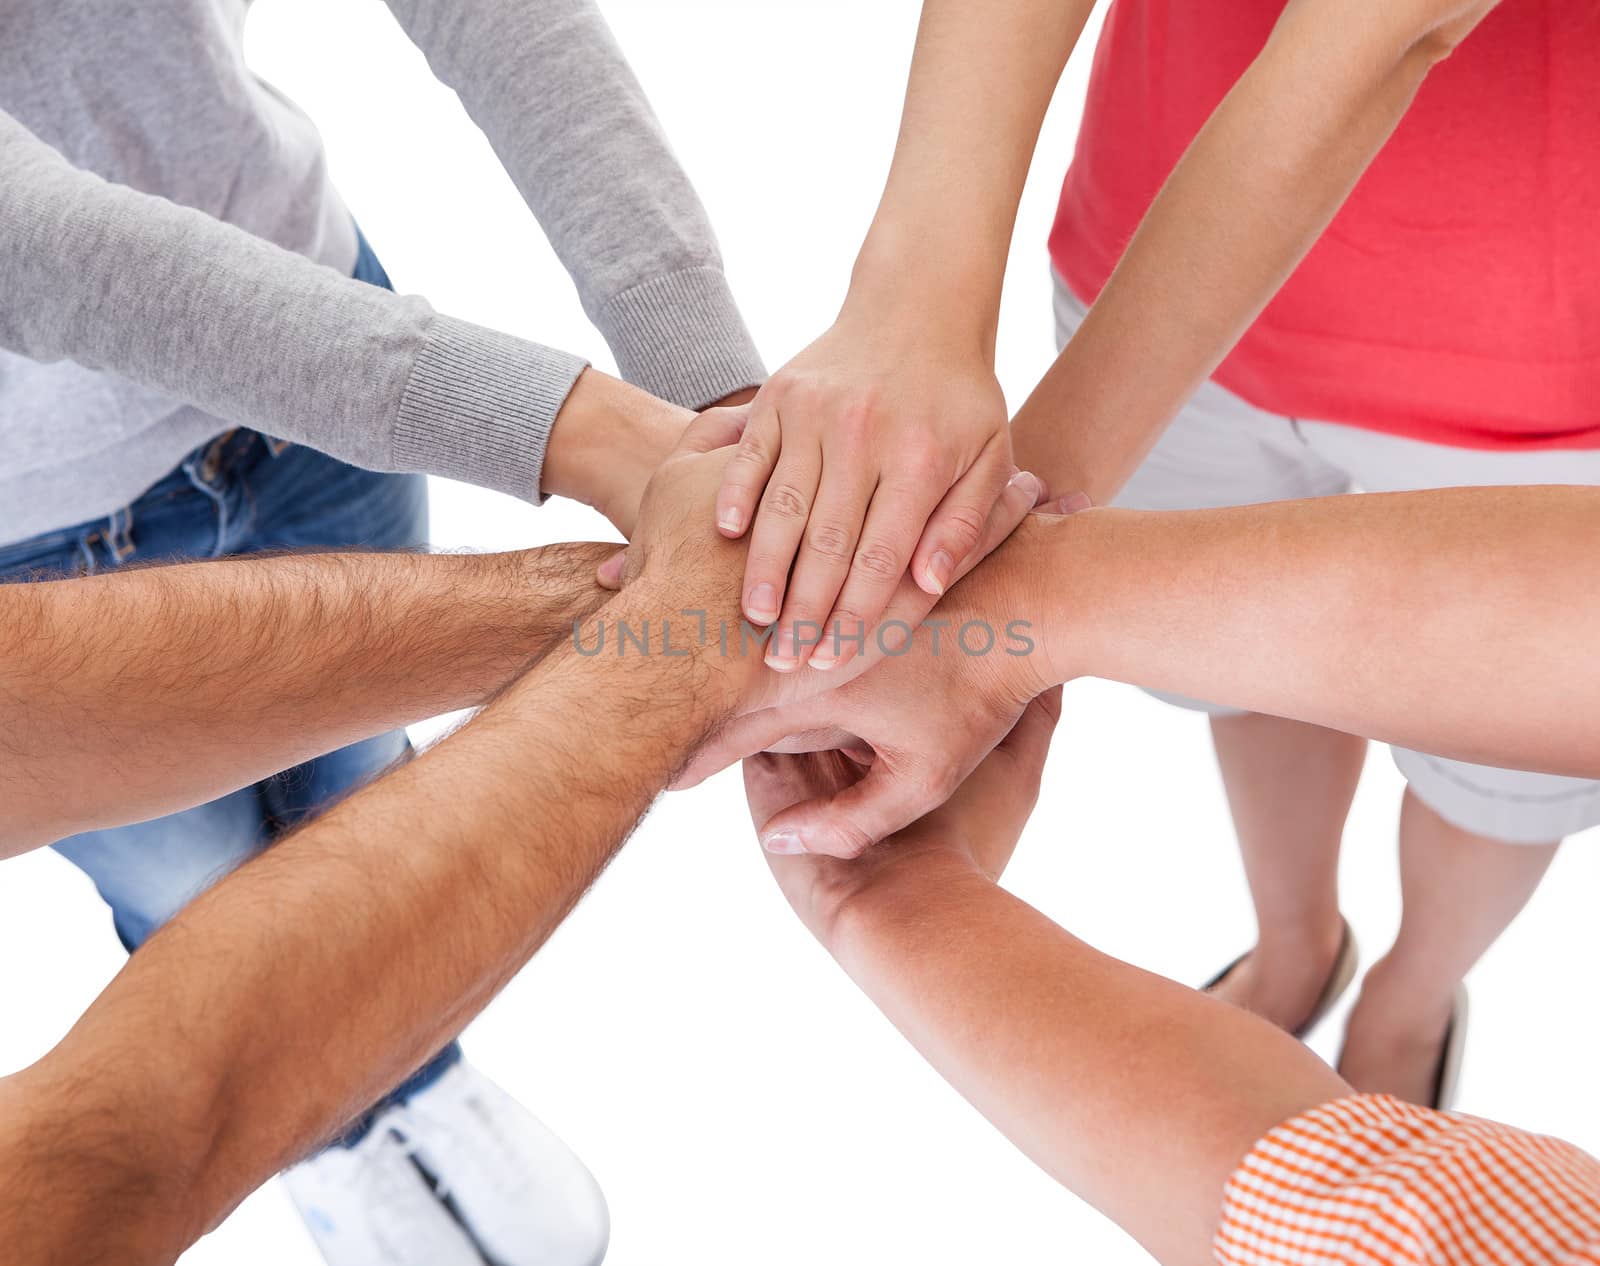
894	525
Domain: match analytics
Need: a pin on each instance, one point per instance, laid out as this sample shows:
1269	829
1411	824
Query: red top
1456	297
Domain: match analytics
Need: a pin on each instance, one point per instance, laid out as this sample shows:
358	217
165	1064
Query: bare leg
1289	785
1461	892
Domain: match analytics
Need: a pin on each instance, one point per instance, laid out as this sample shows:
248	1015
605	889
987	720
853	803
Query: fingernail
940	568
762	604
822	660
611	570
731	520
784	843
1024	480
1074	503
782	653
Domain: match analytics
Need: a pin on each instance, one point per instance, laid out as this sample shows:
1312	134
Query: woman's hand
977	828
875	452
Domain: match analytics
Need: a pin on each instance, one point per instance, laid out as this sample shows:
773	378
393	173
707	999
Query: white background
736	1098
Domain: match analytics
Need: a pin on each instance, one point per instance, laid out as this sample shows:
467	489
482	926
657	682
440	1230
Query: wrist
905	879
475	621
911	275
1084	555
689	629
607	441
540	592
1005	597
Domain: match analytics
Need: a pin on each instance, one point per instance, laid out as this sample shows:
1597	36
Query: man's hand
978	827
876	451
674	549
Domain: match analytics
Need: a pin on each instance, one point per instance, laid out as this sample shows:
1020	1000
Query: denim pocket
60	553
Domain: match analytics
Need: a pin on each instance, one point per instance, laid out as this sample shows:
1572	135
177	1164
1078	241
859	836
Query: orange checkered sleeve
1375	1181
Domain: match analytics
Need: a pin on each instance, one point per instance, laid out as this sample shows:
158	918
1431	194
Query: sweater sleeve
547	83
179	302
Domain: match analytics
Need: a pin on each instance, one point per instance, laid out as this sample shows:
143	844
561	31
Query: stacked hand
670	540
866	458
922	708
668	536
979	825
926	715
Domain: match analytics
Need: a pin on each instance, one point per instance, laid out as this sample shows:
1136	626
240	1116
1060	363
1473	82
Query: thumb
851	821
609	574
740	738
715	428
1072	503
1029	740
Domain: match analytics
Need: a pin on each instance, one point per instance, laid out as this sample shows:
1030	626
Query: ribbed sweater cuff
680	337
479	407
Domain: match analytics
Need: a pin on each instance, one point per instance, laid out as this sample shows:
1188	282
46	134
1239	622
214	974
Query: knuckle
846	620
880	561
800	608
858	415
812	393
830	541
850	839
787	502
965	526
749	458
784	386
941	778
797	396
923	465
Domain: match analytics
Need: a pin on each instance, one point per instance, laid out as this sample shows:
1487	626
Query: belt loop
87	563
119	534
211	463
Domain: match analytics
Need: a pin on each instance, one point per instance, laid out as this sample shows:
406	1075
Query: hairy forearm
1255	190
357	945
1138	1094
981	80
176	684
1451	622
60	1178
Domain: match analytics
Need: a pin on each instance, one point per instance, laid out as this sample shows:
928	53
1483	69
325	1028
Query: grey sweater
174	262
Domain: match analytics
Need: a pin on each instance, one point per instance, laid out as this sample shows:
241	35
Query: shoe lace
391	1185
477	1145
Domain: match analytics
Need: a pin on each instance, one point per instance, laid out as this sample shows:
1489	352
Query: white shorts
1221	451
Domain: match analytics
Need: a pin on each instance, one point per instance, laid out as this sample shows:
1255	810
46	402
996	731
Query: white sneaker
369	1205
462	1165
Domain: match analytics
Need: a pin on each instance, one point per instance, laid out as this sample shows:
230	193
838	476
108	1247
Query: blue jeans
240	493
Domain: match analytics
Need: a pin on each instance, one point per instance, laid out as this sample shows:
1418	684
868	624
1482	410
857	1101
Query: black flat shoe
1339	980
1447	1082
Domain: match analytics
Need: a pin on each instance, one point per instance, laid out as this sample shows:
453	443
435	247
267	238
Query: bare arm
177	684
1251	196
981	80
883	446
357	945
1456	622
1140	1095
1452	622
